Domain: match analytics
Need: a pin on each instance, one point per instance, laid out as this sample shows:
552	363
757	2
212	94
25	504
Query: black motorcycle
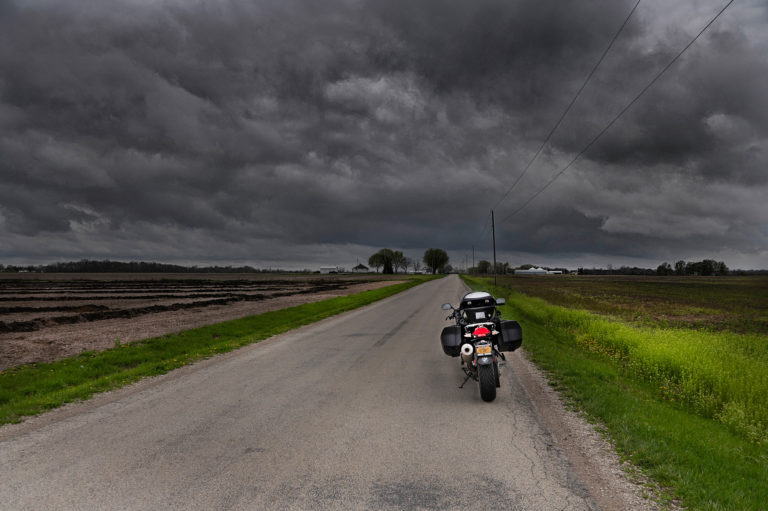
480	337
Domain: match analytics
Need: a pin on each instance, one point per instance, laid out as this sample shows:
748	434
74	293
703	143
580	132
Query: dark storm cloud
309	131
708	116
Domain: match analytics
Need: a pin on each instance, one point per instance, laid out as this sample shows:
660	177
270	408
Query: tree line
107	266
390	261
705	268
486	267
624	270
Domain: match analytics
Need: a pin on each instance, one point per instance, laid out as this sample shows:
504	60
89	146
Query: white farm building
537	271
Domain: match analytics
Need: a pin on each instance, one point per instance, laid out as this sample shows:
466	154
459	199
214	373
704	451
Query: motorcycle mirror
500	301
446	306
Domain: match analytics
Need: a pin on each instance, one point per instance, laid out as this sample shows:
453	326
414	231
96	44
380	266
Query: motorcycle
479	338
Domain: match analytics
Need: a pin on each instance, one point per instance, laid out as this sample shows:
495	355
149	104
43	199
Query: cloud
301	131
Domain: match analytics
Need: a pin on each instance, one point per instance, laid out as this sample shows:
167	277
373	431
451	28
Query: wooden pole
493	228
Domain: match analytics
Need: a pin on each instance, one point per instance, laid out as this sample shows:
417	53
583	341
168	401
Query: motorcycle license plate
483	350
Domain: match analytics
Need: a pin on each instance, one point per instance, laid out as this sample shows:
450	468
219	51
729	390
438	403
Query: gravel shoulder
593	458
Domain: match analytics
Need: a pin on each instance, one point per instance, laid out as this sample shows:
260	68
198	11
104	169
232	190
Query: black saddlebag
511	335
451	340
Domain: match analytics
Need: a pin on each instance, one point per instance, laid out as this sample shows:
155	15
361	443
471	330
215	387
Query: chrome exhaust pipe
468	354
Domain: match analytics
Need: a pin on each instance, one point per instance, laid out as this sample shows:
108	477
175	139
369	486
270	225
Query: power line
565	112
616	118
485	230
570	105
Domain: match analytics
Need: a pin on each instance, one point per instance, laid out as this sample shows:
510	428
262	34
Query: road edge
615	485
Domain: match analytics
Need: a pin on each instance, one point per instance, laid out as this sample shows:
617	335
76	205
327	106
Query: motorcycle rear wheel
487	377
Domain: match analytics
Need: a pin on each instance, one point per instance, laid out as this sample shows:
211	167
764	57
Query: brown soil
74	322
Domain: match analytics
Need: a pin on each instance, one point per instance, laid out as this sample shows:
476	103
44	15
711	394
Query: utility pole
493	229
473	256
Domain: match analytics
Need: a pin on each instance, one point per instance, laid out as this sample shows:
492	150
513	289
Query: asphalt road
361	411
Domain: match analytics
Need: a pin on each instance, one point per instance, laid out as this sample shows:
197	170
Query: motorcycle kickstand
469	375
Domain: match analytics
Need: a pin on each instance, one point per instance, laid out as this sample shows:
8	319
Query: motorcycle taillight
481	331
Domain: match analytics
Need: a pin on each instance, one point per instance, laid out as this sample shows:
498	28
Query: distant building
538	271
360	268
331	269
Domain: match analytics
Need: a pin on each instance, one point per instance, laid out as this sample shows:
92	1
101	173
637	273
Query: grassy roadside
33	389
709	457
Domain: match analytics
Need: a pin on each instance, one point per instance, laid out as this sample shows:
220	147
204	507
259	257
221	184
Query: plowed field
44	317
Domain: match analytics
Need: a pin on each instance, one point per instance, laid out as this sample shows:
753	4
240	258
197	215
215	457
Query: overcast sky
301	133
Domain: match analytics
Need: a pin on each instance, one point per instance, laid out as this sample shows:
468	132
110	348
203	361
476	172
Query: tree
416	265
435	259
382	259
399	261
375	262
708	267
484	267
721	268
388	257
705	268
664	269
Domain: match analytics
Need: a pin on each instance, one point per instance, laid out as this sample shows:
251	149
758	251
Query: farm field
736	304
46	317
703	342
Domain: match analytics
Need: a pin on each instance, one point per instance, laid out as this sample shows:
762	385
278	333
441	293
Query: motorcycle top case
511	335
450	338
478	307
478	314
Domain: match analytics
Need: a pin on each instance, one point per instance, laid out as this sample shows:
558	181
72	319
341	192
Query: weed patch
735	304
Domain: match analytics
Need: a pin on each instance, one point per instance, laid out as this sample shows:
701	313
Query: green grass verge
33	389
707	464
